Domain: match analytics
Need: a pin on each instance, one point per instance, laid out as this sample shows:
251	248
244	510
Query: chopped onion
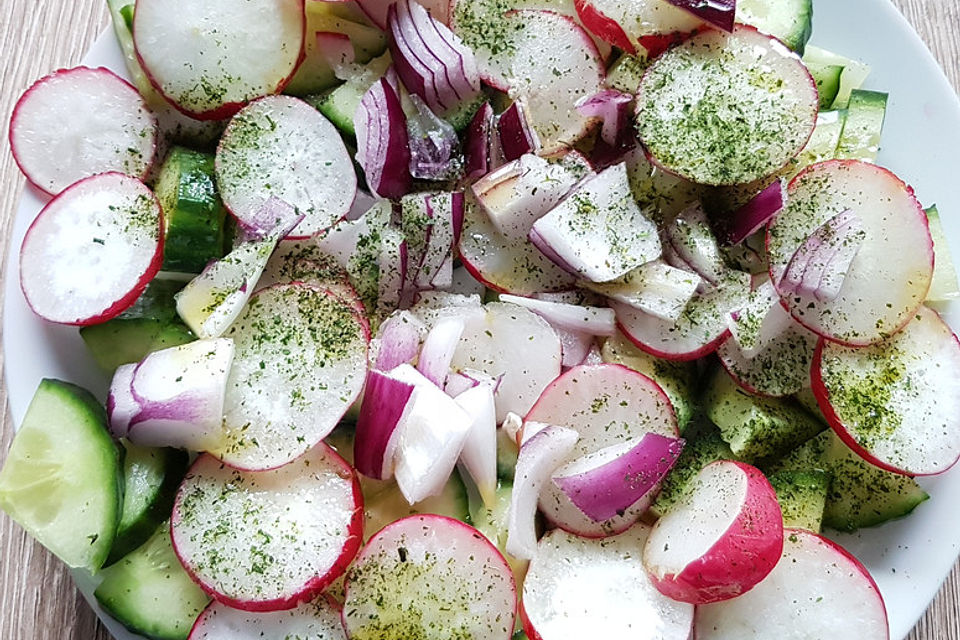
760	321
337	50
438	348
517	137
383	149
821	263
753	216
614	108
538	459
690	236
479	454
719	13
610	481
655	288
513	426
121	405
478	140
399	342
595	321
433	144
386	400
392	263
593	357
574	346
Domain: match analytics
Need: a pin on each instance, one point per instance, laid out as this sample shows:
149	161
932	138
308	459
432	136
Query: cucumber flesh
802	496
384	503
704	445
492	522
150	593
789	20
827	77
626	73
945	285
756	427
151	477
861	495
340	105
860	139
63	481
854	72
507	452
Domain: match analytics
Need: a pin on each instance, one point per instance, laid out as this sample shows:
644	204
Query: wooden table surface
37	598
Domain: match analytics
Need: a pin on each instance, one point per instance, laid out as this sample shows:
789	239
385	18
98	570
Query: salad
488	319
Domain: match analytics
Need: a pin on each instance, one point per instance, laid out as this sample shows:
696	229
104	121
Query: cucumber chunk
63	480
704	445
507	452
756	427
854	72
626	73
340	105
861	495
150	480
945	285
860	139
194	214
492	521
150	593
384	503
802	496
789	20
827	77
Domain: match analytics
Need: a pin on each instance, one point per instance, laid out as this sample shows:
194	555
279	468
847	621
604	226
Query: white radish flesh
317	620
595	321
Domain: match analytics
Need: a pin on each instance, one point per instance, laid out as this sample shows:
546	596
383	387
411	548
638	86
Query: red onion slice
438	349
595	321
517	137
753	216
477	138
539	456
386	400
820	264
399	342
574	346
392	263
719	13
608	482
614	109
121	405
479	454
690	236
383	149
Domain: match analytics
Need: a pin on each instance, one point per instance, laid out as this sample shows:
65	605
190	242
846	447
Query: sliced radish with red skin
891	273
580	588
721	540
226	55
626	23
655	288
303	261
76	123
281	147
606	483
594	321
817	590
895	403
607	405
425	576
268	540
92	250
700	329
316	620
307	342
780	368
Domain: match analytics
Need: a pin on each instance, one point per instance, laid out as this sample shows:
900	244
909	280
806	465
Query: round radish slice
700	329
549	62
282	147
635	25
317	620
817	590
268	540
432	578
79	122
891	273
723	109
896	403
299	364
607	405
209	57
781	368
580	588
92	250
721	540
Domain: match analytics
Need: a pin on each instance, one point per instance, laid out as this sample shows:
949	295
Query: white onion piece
430	437
753	216
821	263
386	400
574	345
181	391
596	321
392	263
691	237
593	357
513	426
438	348
655	288
760	321
608	482
479	454
399	342
121	405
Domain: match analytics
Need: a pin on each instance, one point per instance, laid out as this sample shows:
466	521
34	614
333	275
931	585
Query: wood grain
37	599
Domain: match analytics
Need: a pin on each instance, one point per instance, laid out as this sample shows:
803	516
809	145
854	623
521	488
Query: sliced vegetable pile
528	316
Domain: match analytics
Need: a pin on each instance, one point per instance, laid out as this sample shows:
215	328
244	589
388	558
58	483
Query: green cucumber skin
802	496
135	529
802	28
827	78
945	284
866	113
703	446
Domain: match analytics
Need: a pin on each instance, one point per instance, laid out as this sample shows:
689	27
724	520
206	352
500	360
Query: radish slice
514	343
594	321
425	575
691	238
479	454
214	299
539	456
438	348
654	288
754	216
316	620
399	341
299	158
719	13
817	590
598	231
896	403
718	542
121	404
581	588
79	122
700	329
891	273
92	250
268	540
606	483
575	346
516	135
225	55
302	340
302	261
607	405
180	392
629	24
383	144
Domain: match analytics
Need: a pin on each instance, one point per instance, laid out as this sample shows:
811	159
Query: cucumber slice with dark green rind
149	592
802	496
827	77
756	427
861	495
704	445
193	211
507	452
151	477
63	480
945	285
860	139
791	21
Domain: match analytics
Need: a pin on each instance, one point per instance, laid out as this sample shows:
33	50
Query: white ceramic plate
909	558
